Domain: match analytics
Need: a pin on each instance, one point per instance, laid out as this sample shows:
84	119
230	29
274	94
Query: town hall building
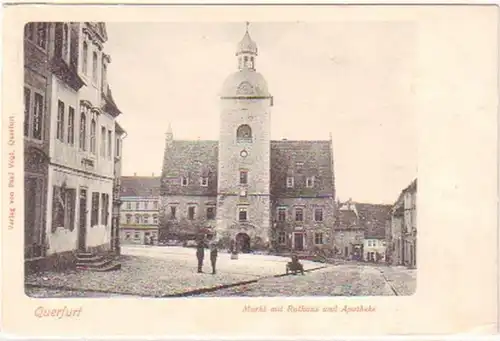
245	187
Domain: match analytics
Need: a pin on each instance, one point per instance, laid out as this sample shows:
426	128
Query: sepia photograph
250	172
224	159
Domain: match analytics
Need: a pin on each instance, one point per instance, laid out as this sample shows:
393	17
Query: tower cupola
246	52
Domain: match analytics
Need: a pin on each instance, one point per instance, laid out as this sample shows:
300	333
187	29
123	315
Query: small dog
294	266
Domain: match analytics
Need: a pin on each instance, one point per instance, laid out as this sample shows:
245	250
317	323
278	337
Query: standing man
213	254
200	254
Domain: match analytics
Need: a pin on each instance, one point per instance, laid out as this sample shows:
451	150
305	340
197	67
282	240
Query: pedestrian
200	254
213	255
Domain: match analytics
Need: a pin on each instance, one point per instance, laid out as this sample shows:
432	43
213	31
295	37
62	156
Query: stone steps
95	262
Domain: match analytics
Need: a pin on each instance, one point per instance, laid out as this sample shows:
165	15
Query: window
243	214
191	210
62	42
66	42
129	206
95	77
243	177
210	213
127	236
117	147
184	181
103	141
71	126
318	214
85	58
110	144
318	238
289	182
27	101
204	181
137	205
94	217
104	208
60	121
155	205
146	219
137	219
63	208
92	136
282	214
29	31
41	38
136	235
104	75
38	116
155	219
129	218
310	182
83	132
299	214
173	210
281	237
244	133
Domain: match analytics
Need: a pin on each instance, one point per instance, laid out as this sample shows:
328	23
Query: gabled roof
110	104
346	219
119	129
301	159
191	159
140	186
374	218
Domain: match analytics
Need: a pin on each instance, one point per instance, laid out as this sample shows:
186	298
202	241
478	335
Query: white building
81	143
374	250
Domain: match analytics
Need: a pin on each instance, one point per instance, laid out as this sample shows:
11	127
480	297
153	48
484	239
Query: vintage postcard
250	171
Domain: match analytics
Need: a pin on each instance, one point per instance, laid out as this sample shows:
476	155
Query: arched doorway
243	242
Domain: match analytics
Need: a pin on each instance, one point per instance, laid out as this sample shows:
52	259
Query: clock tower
243	194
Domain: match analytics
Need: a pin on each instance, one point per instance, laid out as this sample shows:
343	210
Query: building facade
349	234
139	214
402	240
117	188
245	187
79	133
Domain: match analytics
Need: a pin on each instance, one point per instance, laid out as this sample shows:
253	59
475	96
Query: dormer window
204	181
310	182
244	133
289	182
184	181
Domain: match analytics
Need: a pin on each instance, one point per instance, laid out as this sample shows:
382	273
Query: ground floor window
33	220
318	238
63	208
104	208
94	217
281	237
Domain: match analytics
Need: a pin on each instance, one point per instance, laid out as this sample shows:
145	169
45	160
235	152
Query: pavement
171	272
165	272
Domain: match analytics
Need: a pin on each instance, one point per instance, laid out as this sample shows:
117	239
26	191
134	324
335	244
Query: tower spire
247	51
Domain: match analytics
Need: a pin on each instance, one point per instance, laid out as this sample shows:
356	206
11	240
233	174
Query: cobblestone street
170	271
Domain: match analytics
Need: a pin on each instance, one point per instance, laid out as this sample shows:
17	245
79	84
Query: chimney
135	174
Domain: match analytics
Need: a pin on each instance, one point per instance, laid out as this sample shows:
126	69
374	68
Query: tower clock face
243	153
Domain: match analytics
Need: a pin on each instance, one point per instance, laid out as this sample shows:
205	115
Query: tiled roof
346	219
119	129
300	159
192	159
140	186
374	217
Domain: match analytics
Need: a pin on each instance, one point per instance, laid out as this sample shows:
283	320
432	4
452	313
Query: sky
353	80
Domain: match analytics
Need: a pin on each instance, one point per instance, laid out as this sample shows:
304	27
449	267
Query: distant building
348	233
69	130
374	218
246	188
403	228
139	214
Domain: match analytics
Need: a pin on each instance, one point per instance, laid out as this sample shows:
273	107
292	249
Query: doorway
298	241
82	230
243	242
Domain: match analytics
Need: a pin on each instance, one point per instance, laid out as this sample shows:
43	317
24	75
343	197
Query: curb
180	294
